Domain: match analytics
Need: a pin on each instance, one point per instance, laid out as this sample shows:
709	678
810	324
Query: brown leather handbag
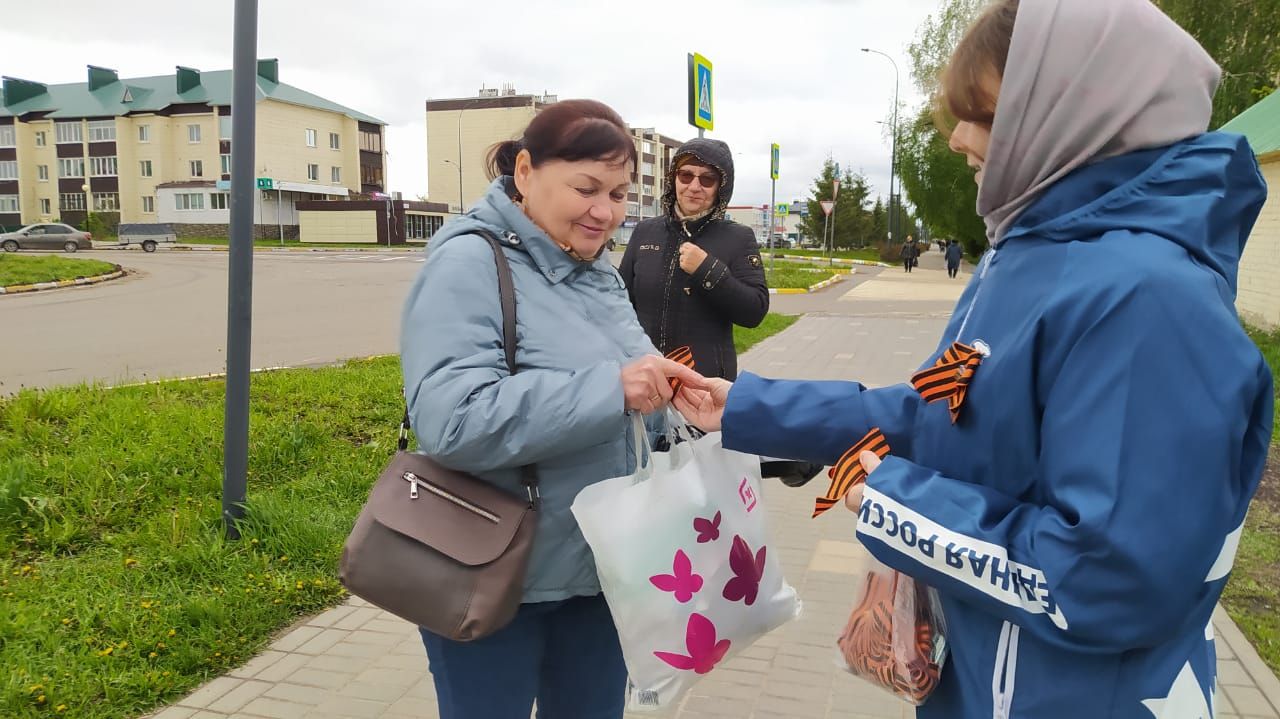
441	548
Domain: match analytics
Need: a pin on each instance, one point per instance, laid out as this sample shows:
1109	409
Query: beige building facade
1258	289
158	149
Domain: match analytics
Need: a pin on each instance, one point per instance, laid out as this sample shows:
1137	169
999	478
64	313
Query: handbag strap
507	296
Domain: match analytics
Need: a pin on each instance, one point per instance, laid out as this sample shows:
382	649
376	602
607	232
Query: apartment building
158	149
460	132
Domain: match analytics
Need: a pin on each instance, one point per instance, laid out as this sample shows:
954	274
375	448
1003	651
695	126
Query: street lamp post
893	161
458	166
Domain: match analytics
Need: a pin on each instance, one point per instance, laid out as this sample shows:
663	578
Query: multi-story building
158	149
461	131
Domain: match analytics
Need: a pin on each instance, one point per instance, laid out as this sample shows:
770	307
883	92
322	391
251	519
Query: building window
313	173
68	131
71	201
148	204
646	168
42	173
144	167
193	134
197	168
335	141
420	227
9	170
46	206
648	147
370	175
144	133
218	201
42	139
71	167
633	209
311	137
189	201
335	175
102	130
224	127
8	136
102	167
8	203
226	164
106	202
370	142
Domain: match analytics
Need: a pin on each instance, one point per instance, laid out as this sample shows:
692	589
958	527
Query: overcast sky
786	71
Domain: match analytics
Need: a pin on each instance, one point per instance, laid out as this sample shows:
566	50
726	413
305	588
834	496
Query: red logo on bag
746	494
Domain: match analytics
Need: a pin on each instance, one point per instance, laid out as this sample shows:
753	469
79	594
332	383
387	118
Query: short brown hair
569	130
980	55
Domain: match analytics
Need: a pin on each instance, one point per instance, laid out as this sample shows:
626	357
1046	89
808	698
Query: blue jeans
564	654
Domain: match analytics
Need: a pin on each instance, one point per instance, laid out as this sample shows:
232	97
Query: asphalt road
168	317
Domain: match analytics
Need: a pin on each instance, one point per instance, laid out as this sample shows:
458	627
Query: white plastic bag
683	554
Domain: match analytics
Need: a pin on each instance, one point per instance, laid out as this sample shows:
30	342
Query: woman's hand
853	500
645	384
691	257
703	406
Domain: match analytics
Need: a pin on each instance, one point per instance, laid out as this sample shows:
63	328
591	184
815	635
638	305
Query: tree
879	221
851	221
1243	36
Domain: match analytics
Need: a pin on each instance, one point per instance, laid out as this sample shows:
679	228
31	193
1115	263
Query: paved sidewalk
357	661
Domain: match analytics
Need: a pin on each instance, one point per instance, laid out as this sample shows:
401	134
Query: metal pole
460	111
235	451
893	157
826	223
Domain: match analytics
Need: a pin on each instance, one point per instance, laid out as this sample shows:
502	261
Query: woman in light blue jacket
584	364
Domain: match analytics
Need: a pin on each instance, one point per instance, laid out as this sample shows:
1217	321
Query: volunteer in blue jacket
1077	496
584	364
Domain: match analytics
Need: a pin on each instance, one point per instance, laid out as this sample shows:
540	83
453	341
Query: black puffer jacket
699	310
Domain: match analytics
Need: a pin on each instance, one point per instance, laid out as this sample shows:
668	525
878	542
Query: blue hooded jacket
1080	519
564	410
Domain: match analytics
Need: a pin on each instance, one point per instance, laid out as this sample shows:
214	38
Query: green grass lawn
1252	595
26	270
869	254
782	276
119	592
744	339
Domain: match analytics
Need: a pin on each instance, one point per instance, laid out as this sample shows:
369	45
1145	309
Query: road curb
59	284
811	288
833	260
1263	678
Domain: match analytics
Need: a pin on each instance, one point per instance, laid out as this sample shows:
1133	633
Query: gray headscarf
1087	80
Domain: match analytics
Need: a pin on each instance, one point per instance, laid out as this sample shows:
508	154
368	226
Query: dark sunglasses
708	180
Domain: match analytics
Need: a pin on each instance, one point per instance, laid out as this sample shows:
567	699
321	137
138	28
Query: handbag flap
464	518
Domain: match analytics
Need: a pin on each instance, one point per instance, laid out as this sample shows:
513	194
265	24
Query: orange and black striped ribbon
681	355
949	377
848	471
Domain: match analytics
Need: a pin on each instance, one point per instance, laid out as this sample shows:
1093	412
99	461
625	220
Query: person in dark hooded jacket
692	273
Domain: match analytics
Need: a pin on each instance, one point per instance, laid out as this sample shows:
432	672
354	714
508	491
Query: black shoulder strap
507	296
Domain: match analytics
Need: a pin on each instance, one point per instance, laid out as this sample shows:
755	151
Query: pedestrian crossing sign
701	106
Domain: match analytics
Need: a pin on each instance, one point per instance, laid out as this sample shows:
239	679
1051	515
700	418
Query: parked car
49	236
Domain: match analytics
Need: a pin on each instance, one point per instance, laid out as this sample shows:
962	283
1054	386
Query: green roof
1261	124
152	94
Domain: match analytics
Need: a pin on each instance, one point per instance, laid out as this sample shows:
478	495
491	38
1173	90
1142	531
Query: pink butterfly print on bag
700	641
682	581
747	570
708	529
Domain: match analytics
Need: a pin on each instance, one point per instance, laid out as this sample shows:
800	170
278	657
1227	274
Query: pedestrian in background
953	254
